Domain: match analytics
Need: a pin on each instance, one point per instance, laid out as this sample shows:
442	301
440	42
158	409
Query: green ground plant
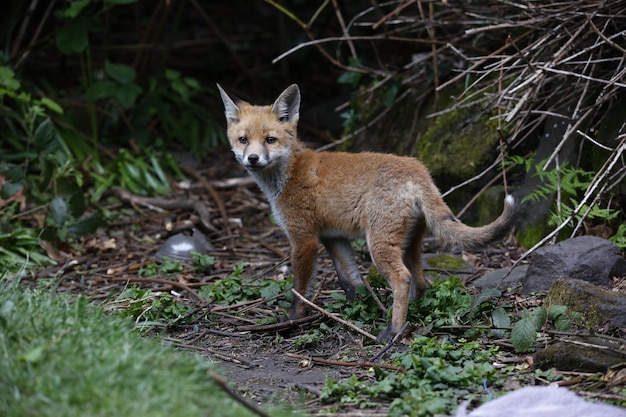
442	371
66	357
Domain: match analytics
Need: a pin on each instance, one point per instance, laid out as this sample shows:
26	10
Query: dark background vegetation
97	94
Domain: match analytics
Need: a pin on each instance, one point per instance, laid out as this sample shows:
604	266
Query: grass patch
62	356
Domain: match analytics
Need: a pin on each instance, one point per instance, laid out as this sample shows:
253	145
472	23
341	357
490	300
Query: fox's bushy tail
445	226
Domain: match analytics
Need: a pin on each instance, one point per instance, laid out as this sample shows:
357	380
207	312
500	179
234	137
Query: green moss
444	261
532	234
457	143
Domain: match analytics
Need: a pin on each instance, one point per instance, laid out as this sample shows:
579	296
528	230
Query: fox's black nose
253	158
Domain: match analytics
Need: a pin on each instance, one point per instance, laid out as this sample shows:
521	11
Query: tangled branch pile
528	64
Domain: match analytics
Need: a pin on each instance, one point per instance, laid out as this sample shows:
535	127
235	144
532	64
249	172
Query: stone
587	356
497	278
600	306
586	258
541	402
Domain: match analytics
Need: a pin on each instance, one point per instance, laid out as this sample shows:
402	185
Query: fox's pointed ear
230	108
287	105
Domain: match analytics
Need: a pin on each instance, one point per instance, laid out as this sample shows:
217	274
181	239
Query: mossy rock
458	143
445	261
599	306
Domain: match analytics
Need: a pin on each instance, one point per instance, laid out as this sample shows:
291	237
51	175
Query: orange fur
331	197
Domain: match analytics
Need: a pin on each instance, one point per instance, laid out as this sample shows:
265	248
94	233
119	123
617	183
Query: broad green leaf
87	224
555	311
46	138
500	318
539	316
524	334
75	8
103	89
72	38
58	210
7	79
120	72
562	323
127	95
9	189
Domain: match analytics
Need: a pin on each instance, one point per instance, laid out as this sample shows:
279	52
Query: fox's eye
270	139
243	140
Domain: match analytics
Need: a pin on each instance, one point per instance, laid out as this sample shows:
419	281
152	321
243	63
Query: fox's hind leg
413	259
387	255
341	253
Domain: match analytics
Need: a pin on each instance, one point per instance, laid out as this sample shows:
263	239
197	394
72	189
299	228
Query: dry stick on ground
366	364
214	195
161	281
167	204
222	382
277	327
332	316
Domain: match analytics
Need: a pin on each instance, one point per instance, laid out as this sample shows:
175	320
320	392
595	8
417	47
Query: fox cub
331	197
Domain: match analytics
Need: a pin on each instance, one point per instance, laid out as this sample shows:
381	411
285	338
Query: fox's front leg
340	252
303	256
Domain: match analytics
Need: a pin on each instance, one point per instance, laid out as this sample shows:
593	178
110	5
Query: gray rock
587	258
600	306
497	278
590	355
542	402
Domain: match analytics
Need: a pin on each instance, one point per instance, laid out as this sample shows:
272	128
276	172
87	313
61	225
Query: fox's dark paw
386	335
351	291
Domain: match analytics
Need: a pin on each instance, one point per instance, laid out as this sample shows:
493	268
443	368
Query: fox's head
262	136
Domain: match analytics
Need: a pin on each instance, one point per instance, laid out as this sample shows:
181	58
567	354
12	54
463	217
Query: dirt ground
262	366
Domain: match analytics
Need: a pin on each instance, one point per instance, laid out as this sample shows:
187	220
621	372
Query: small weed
234	289
202	263
439	374
444	303
150	307
312	338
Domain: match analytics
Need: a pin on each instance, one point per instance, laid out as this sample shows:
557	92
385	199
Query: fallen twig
161	281
222	382
332	316
365	364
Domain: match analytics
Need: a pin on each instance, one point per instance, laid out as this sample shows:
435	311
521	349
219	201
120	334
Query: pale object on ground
542	402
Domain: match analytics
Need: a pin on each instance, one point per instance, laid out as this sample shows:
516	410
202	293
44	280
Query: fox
331	198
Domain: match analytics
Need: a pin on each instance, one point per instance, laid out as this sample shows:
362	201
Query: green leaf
75	8
46	138
555	311
72	38
390	95
103	89
562	323
58	210
127	95
7	79
9	189
539	316
120	72
500	318
524	334
33	355
51	105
